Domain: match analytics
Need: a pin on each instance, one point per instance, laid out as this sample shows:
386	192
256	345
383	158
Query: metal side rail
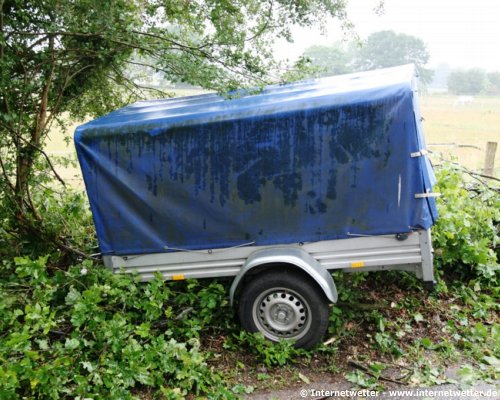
372	253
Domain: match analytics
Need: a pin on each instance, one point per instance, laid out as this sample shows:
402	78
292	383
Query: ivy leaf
418	317
73	296
42	343
71	344
143	330
88	366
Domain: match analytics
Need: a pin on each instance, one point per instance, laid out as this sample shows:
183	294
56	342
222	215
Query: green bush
90	334
267	352
64	228
466	235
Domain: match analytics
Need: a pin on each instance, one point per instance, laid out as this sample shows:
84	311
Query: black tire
285	305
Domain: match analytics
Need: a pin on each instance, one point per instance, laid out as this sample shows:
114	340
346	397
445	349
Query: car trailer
276	189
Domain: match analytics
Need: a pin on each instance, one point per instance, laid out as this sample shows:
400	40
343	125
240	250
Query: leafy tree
388	49
493	83
66	57
331	60
380	50
471	81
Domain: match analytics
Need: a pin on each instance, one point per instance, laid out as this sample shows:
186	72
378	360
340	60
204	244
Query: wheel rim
281	313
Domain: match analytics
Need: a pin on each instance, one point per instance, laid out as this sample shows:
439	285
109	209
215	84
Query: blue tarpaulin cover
315	160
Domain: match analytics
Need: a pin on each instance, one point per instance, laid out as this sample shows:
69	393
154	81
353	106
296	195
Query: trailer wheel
284	305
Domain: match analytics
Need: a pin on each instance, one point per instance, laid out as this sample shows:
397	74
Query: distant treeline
379	50
388	48
474	81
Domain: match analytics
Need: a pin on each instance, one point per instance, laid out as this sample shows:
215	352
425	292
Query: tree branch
40	121
5	175
148	66
32	205
46	157
481	175
67	80
266	25
169	40
135	93
466	170
55	33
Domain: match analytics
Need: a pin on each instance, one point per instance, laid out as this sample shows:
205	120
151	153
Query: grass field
448	127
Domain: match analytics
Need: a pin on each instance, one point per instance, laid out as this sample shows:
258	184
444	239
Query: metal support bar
427	258
425	195
355	254
420	153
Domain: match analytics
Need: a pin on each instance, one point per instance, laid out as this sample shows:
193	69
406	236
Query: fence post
489	161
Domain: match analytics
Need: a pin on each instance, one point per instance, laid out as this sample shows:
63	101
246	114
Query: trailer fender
292	256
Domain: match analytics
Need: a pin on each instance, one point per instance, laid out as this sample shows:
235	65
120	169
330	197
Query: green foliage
492	83
362	380
88	333
349	287
466	235
387	49
474	81
380	50
68	227
471	81
269	353
332	60
384	340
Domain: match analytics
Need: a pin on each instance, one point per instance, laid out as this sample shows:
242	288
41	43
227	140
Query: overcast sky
463	33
